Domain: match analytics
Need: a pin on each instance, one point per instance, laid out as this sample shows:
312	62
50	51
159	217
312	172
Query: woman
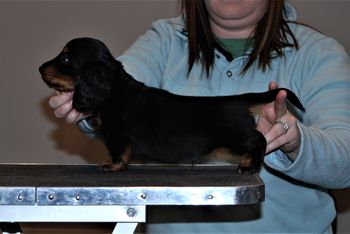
225	47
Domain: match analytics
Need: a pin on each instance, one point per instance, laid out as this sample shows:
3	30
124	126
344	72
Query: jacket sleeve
90	126
146	59
324	156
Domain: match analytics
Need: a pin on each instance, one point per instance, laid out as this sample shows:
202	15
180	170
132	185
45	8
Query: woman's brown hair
271	36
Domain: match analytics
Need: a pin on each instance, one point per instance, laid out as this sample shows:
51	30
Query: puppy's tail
270	96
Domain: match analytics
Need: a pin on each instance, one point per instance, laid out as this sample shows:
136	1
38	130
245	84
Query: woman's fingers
63	110
60	98
280	105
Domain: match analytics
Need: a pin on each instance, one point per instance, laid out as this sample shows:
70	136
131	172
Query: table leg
7	228
124	228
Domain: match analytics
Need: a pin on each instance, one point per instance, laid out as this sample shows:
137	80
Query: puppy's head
85	66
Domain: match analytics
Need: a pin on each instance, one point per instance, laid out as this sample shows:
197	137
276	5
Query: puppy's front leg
118	164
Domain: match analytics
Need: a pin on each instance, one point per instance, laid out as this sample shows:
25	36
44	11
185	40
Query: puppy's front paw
109	166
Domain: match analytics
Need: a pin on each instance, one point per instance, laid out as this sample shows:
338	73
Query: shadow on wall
69	139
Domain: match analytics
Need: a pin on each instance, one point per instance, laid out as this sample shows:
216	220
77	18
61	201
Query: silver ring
284	125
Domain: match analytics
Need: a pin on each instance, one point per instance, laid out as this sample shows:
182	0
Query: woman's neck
232	33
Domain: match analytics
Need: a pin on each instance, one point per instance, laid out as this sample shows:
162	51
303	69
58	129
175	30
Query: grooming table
81	193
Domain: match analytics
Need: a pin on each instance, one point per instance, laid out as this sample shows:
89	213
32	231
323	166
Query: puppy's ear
93	86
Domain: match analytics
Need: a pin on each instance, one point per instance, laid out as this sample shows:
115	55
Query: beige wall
34	31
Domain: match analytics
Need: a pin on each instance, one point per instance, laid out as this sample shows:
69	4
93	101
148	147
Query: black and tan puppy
152	124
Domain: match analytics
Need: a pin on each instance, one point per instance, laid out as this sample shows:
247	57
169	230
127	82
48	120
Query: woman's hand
62	105
279	126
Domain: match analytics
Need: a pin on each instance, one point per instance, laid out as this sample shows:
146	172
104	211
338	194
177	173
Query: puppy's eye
65	58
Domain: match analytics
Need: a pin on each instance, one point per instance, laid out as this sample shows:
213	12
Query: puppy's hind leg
254	148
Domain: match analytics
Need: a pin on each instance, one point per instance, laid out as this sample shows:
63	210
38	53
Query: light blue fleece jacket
319	73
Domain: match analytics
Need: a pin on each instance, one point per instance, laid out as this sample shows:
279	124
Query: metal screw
20	197
51	197
131	212
77	197
210	197
143	196
259	195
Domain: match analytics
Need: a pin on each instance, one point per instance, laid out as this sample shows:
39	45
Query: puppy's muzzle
55	80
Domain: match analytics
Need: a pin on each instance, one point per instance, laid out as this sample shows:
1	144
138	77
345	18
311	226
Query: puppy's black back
171	128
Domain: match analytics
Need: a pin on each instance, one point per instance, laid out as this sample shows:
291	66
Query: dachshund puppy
147	123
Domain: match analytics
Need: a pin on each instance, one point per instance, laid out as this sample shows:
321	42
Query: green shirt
237	47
